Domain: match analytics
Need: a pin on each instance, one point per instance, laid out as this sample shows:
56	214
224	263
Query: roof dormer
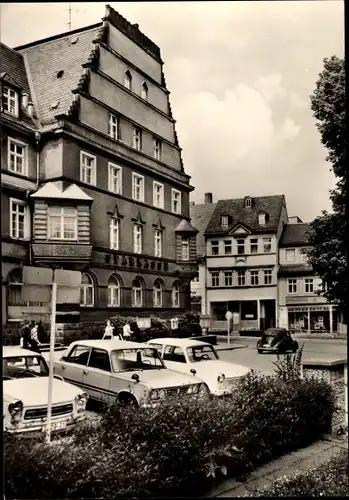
248	202
263	218
226	221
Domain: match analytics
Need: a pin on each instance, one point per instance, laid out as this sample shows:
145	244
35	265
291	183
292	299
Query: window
290	254
113	129
215	278
254	278
144	91
267	276
14	288
157	149
87	290
158	243
137	187
63	223
128	80
137	238
292	286
88	168
228	278
99	358
157	294
225	221
248	202
175	354
262	219
17	157
114	292
241	277
266	245
158	195
176	201
137	139
114	232
175	295
137	293
309	285
228	249
185	248
10	101
79	355
115	178
254	245
214	247
19	222
241	246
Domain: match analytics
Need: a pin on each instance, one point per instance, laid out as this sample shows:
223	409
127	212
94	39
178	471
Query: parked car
25	395
276	341
201	360
124	372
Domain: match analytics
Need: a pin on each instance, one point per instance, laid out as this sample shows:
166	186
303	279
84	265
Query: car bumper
36	429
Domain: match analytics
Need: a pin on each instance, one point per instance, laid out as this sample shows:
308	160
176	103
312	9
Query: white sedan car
25	395
200	359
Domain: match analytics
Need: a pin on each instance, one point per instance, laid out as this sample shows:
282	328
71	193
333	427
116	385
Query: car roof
178	342
109	345
9	351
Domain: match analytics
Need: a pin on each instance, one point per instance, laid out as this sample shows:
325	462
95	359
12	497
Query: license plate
55	426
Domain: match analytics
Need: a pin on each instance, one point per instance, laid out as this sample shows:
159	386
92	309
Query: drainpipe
37	140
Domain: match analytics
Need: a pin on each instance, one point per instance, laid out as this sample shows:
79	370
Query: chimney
208	198
25	98
30	109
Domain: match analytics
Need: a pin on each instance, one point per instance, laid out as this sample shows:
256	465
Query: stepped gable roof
247	216
200	216
47	59
295	235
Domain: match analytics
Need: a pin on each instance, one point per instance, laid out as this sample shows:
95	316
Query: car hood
34	391
164	378
213	368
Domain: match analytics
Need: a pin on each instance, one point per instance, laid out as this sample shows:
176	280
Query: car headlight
221	378
15	409
81	399
154	395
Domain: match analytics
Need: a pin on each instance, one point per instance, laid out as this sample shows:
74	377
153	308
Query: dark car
277	341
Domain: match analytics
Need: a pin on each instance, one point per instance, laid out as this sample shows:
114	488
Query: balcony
72	253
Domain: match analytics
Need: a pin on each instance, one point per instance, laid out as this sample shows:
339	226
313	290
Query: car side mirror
135	377
193	371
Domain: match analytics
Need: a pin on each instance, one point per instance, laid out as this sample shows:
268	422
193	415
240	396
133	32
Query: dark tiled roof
185	227
200	216
45	59
271	205
11	62
294	235
295	270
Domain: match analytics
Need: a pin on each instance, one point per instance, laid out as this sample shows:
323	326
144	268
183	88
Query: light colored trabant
25	395
202	360
129	373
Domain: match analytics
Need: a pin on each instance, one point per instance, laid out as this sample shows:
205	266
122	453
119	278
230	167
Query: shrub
330	479
290	366
176	449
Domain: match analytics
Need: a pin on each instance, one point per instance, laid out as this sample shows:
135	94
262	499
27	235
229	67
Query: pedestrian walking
108	332
33	339
25	335
126	331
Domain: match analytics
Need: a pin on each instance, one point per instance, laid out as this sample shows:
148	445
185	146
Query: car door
72	366
174	358
97	374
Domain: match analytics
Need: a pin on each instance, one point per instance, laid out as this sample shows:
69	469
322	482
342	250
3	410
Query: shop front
312	319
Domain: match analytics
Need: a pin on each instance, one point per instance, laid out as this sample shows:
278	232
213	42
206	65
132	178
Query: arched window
114	292
87	290
137	293
128	80
144	91
157	294
14	288
175	295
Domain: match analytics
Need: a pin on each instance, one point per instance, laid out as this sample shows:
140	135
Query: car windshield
24	367
125	360
201	353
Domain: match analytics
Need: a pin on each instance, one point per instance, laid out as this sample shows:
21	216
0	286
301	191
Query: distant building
302	309
242	238
92	174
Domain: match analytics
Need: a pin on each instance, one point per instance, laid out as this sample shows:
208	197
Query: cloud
298	101
270	87
288	130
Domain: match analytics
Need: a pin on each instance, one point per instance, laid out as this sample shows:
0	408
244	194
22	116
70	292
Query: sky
240	76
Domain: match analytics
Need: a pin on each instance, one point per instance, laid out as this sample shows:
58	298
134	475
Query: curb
231	348
297	337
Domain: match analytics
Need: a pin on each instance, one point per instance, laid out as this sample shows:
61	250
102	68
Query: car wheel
126	401
260	351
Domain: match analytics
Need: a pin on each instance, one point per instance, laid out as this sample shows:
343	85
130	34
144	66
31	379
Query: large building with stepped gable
92	174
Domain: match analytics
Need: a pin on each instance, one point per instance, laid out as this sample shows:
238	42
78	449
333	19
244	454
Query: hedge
180	448
330	479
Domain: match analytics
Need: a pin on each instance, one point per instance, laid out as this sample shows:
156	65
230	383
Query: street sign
37	275
68	295
228	315
70	278
36	293
143	323
174	323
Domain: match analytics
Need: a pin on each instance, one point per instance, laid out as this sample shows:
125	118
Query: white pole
228	330
52	345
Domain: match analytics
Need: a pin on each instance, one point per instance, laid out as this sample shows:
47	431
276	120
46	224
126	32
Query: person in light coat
126	331
108	332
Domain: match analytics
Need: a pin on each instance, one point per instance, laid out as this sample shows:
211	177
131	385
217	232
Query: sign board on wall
174	323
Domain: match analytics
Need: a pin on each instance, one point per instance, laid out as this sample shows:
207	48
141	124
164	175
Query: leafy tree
327	235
